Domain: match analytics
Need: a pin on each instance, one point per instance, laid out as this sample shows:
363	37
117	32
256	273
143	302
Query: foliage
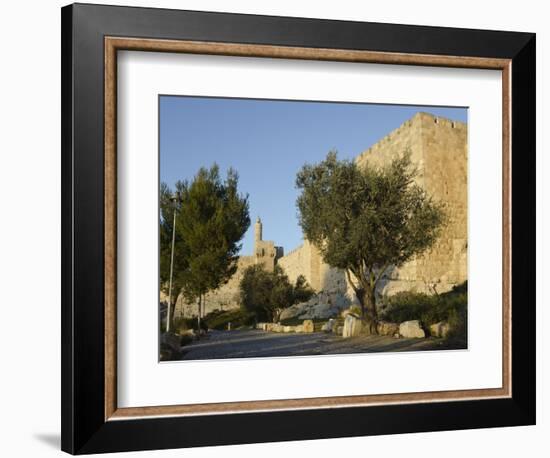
266	293
183	324
302	291
451	307
366	220
238	318
212	218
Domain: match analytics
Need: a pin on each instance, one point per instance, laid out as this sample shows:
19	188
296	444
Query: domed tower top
258	230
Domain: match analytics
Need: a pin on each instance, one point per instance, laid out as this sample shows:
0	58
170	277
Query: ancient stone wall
224	298
438	147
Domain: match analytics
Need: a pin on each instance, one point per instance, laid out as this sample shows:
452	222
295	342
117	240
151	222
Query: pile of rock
321	306
306	327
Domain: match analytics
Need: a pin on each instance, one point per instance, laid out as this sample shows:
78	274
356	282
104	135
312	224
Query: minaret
258	231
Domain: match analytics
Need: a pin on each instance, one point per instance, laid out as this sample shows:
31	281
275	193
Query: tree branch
381	272
355	287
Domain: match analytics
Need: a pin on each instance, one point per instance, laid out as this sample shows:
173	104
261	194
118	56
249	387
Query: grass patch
238	318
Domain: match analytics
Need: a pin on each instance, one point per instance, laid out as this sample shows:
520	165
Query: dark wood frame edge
84	427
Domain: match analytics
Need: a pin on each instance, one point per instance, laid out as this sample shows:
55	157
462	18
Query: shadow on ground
258	344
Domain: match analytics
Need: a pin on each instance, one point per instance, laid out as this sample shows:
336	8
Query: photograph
309	228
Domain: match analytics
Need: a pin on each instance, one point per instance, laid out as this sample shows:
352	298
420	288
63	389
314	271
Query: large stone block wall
297	262
307	261
438	147
223	298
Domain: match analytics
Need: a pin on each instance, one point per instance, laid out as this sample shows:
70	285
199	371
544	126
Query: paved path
259	344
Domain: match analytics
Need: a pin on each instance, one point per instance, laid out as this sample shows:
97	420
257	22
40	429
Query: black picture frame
84	428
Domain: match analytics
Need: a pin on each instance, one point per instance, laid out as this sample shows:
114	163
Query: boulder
171	340
186	332
385	328
440	329
352	326
308	326
299	328
277	328
411	329
323	305
327	327
321	311
294	310
288	329
339	330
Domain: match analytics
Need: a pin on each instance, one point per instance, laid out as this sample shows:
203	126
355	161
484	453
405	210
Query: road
260	344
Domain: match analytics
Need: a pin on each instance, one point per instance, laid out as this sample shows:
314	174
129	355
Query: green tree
212	219
366	220
302	292
267	294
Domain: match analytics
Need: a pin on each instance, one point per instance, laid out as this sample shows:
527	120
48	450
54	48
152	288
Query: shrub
182	324
219	319
451	307
267	293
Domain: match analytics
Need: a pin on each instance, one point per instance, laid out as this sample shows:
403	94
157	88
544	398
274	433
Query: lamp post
175	199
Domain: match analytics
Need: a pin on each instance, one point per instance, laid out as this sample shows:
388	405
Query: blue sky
267	142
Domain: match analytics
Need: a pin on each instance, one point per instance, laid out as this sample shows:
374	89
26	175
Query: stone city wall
438	147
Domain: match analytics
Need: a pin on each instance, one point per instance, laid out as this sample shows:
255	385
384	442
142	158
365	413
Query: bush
183	324
267	293
238	318
451	307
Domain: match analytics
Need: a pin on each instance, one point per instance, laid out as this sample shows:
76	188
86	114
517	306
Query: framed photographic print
270	222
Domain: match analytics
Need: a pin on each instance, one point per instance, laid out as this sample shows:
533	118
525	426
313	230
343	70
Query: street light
175	199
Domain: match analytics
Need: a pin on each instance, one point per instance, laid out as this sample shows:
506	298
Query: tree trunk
171	312
199	314
368	308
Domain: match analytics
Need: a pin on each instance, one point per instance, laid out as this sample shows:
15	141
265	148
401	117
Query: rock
440	329
308	326
171	341
186	333
396	335
299	328
329	325
294	311
277	328
339	330
288	329
323	305
321	311
386	328
352	326
411	329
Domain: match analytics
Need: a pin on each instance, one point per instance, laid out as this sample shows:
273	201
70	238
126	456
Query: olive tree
365	220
